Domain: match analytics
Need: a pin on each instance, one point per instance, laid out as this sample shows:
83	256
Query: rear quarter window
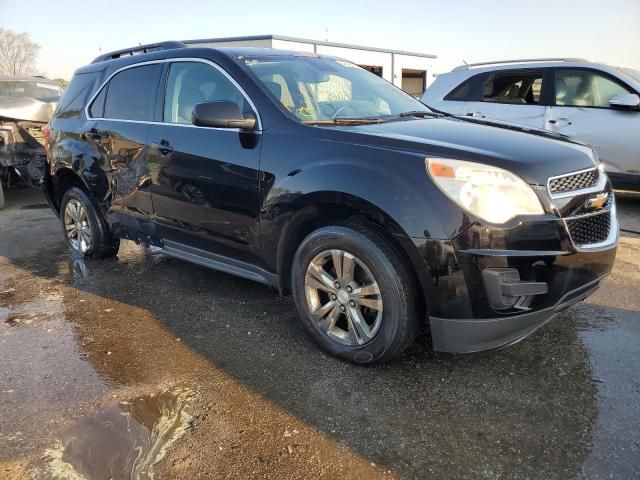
461	92
76	95
468	91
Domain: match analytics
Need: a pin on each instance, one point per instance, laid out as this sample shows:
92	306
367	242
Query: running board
219	262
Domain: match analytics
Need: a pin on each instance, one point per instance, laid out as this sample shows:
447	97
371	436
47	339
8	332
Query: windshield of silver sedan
325	91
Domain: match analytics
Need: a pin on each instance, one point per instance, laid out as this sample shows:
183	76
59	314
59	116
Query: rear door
204	180
513	97
581	110
118	124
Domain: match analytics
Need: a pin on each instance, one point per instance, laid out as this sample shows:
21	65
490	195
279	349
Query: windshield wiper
418	113
439	112
346	121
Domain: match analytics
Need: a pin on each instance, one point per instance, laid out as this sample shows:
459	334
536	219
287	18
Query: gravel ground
149	367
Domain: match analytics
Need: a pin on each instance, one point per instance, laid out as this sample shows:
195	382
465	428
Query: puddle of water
122	441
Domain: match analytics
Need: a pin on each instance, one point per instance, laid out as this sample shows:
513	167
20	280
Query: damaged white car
26	105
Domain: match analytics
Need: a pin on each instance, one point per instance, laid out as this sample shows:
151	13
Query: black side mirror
221	114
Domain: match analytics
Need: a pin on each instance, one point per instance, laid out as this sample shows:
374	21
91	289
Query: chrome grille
590	229
574	181
589	221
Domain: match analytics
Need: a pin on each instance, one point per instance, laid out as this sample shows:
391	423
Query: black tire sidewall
97	226
396	314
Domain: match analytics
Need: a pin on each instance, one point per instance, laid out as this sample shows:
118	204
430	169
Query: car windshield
635	74
323	90
35	89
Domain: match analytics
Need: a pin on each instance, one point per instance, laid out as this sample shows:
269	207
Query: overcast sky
72	33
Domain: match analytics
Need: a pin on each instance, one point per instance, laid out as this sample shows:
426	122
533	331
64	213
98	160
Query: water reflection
122	441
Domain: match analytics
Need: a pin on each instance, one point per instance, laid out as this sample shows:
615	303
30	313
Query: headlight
491	193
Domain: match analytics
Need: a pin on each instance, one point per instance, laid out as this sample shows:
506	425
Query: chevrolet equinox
318	178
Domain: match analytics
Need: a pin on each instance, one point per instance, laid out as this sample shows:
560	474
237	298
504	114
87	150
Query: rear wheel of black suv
84	228
354	294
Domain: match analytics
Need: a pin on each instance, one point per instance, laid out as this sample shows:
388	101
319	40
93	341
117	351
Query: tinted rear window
132	93
461	92
75	96
468	91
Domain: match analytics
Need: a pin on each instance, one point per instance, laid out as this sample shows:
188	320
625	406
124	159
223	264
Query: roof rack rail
151	47
467	66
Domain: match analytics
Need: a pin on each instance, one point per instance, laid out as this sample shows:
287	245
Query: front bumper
547	265
474	335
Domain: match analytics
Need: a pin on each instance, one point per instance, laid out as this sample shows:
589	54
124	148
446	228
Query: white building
408	70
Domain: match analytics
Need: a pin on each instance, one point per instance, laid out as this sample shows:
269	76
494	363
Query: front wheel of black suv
354	294
84	228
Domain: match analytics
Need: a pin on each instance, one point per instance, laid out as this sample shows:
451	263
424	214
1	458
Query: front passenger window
584	88
191	83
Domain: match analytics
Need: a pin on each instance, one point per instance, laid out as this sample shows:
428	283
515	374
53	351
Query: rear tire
334	316
1	196
84	228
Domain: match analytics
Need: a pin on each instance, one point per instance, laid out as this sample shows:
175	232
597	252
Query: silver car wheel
77	226
343	297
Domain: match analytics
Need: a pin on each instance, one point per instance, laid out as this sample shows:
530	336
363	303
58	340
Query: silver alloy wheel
76	224
343	297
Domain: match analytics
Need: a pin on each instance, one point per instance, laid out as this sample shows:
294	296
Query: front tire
354	294
84	228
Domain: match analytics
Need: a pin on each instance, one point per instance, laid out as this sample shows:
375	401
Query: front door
204	181
581	110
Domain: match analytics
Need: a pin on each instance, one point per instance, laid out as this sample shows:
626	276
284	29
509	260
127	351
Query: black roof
166	50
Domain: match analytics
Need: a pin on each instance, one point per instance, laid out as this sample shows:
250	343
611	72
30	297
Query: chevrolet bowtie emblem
597	203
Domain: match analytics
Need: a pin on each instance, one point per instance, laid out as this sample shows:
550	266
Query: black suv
318	178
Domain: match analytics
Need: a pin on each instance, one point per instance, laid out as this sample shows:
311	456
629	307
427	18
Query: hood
532	154
27	109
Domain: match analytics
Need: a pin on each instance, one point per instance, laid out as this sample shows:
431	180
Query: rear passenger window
129	95
520	88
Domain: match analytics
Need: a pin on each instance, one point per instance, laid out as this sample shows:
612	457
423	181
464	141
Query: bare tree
18	53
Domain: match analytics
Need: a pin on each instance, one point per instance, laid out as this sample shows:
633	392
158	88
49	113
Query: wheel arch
62	180
320	209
